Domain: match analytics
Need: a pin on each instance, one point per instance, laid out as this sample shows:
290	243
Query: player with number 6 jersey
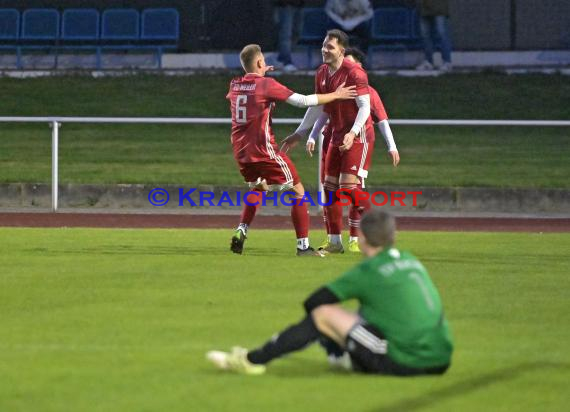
252	99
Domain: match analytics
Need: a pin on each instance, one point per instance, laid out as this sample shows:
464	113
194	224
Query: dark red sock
300	218
354	215
334	214
362	199
248	212
356	211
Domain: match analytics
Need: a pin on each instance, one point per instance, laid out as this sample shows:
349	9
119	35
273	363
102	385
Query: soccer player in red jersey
380	118
351	126
252	99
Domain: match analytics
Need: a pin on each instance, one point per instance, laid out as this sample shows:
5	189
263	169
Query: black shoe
309	252
238	239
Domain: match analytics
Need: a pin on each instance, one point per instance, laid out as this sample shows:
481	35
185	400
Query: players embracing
263	166
351	130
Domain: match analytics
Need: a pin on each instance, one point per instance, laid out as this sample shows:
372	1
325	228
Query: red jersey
342	113
252	97
377	113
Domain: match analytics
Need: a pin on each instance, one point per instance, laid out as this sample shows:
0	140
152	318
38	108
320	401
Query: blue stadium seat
120	31
9	24
391	24
316	22
80	24
160	24
40	24
393	29
120	24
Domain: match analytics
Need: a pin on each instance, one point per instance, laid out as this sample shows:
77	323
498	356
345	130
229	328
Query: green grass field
100	320
194	155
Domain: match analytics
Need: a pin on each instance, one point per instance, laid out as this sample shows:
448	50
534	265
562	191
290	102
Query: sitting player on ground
400	328
263	166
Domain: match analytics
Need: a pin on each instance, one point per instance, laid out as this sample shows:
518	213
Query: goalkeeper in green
400	328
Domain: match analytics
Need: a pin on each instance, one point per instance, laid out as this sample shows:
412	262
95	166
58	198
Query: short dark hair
248	54
355	52
340	36
378	228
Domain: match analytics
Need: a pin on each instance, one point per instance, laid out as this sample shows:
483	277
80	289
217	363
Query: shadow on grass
467	386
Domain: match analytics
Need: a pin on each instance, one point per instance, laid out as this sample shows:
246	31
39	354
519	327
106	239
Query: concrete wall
464	200
542	24
481	24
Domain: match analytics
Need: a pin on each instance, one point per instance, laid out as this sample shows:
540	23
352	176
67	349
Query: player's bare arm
347	142
310	147
395	157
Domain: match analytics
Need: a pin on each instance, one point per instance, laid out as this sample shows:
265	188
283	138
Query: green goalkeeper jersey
397	296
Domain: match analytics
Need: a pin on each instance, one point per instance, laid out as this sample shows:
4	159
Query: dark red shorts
355	161
367	161
279	173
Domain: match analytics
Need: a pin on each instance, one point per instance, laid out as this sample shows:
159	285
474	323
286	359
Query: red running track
130	220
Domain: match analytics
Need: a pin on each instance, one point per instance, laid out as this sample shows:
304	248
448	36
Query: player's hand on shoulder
290	142
310	146
347	142
345	93
395	157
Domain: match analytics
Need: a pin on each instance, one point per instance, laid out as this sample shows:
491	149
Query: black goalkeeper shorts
368	350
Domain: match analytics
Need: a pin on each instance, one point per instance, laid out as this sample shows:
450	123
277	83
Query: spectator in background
434	16
289	21
353	17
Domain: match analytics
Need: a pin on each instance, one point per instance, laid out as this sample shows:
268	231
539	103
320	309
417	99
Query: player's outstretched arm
341	93
386	132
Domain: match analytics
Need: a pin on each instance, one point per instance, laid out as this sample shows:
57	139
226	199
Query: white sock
336	239
353	239
303	243
243	227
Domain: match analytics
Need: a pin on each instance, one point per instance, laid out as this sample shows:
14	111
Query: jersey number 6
241	114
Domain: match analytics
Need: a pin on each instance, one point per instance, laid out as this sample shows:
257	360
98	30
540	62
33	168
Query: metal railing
55	123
